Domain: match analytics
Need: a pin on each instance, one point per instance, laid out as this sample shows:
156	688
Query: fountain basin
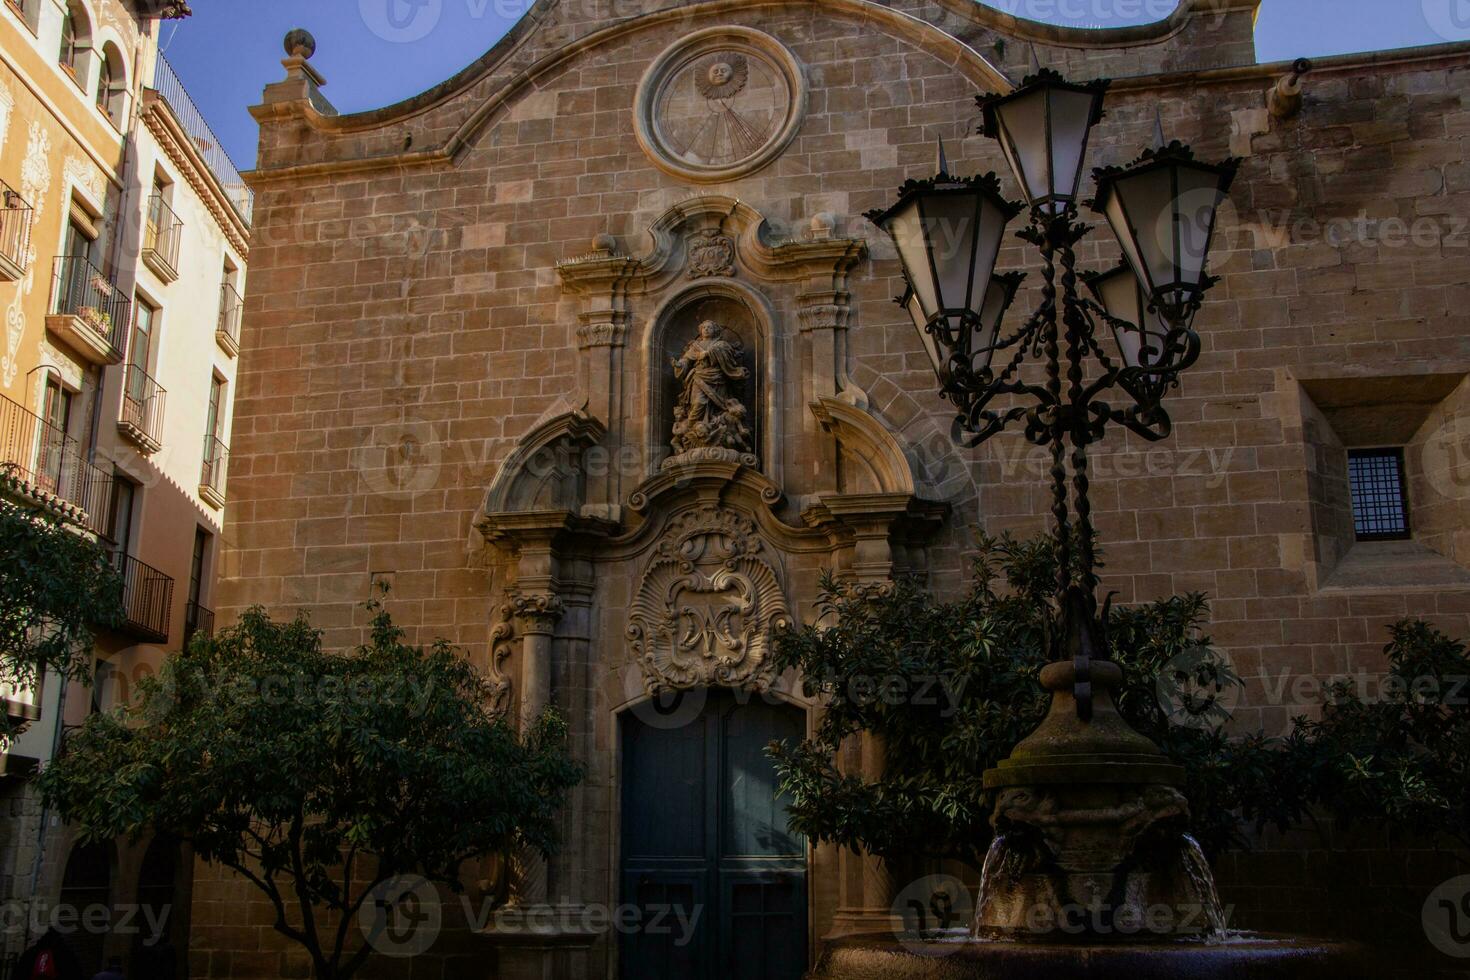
1249	957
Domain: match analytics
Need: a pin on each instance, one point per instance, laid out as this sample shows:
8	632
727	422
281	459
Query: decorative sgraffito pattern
35	177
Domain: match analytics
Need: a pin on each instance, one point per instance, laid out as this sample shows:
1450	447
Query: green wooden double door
718	878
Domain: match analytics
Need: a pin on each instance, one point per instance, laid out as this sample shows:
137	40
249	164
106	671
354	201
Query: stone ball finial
604	243
823	225
300	43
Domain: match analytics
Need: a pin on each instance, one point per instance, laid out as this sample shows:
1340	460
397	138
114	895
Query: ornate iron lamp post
1083	793
948	232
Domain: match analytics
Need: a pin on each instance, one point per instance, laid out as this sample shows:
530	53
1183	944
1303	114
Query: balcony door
707	857
140	351
120	521
56	413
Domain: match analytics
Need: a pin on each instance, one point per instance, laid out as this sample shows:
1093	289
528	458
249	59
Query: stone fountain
1092	873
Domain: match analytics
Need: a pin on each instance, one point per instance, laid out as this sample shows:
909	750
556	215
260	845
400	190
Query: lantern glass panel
906	227
952	222
1119	294
931	344
1022	121
1071	121
983	332
1198	204
1144	205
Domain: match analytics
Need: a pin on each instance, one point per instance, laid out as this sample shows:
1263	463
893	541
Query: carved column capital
602	328
823	310
534	614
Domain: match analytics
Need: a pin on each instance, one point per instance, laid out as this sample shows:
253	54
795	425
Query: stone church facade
461	377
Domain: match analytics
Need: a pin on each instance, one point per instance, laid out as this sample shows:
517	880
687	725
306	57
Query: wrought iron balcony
88	311
142	410
212	473
231	305
15	233
39	463
161	236
148	598
167	84
199	620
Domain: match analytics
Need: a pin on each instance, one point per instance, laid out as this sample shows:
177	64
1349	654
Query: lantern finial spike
1035	58
943	162
1159	126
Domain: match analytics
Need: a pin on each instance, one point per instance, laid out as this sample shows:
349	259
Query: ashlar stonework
458	376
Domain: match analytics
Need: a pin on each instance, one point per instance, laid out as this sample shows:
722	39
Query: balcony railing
148	597
192	120
212	473
52	468
231	305
197	619
94	310
142	409
15	233
161	238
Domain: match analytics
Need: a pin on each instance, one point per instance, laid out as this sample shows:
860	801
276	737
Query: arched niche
746	316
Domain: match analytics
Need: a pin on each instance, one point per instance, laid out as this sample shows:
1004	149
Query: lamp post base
1091	832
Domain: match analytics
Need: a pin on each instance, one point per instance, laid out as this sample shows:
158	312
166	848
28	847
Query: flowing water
1203	879
993	859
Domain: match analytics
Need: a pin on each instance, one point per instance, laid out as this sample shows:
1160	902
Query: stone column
534	617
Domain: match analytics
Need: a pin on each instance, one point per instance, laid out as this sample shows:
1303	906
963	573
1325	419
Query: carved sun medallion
720	103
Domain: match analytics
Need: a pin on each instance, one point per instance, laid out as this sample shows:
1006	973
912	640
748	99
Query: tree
317	776
1399	754
951	687
56	586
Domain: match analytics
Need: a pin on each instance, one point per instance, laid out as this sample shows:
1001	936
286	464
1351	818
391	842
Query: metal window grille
1380	506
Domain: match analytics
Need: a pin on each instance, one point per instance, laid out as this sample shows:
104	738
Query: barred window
1380	506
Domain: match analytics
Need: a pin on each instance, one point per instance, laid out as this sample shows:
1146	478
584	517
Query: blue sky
376	52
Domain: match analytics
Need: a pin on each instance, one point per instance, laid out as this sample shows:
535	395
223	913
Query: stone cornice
159	119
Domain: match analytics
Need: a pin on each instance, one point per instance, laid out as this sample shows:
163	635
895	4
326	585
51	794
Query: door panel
707	856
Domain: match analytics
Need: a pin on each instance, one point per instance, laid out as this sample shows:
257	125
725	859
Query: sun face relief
719	104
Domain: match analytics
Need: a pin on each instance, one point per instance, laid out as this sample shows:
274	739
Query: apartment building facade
123	246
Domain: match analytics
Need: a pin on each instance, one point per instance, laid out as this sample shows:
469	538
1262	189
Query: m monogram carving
708	605
711	254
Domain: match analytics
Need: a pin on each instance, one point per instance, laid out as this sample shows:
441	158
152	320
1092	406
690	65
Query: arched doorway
154	955
86	884
707	857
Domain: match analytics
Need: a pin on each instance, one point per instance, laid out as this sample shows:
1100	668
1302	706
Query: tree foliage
317	775
56	587
951	687
1399	753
